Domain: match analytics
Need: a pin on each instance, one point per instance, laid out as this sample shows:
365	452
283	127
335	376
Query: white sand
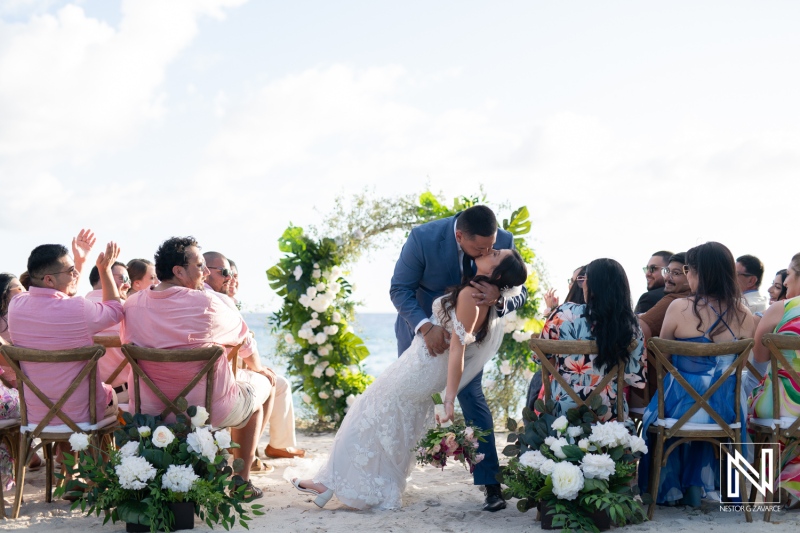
434	501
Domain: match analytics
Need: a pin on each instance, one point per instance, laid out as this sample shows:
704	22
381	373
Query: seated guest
675	286
113	357
51	317
655	281
9	287
233	286
9	397
179	314
716	313
782	318
281	422
777	291
749	272
606	318
142	273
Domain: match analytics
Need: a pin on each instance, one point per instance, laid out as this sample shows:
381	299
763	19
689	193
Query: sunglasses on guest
650	269
226	272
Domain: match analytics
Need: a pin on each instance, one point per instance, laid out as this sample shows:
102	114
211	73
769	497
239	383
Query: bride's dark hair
509	273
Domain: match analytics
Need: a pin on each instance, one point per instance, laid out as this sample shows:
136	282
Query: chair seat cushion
63	428
692	426
783	422
8	423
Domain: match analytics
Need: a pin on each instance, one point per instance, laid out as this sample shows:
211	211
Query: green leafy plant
575	465
154	464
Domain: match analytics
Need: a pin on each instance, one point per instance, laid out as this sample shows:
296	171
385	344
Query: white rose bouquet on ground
578	471
155	467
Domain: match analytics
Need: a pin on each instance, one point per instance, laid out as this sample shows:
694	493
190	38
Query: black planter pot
600	518
184	518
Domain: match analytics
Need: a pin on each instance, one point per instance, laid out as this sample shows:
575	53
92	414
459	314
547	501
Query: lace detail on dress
453	324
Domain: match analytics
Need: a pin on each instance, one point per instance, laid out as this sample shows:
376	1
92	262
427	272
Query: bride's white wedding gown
374	451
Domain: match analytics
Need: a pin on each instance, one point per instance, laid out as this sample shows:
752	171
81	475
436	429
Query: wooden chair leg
22	463
48	461
774	472
655	471
742	486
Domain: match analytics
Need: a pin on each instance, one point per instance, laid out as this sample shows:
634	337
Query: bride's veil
478	354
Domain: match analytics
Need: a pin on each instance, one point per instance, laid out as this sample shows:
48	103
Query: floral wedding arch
314	325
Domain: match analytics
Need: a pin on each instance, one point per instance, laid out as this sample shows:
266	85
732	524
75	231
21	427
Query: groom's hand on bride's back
435	339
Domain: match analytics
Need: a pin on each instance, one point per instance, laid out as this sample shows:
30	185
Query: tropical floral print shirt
567	323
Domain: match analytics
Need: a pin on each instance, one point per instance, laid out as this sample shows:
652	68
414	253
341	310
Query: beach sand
435	501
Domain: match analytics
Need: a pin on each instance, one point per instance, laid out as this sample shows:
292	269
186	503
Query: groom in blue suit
435	257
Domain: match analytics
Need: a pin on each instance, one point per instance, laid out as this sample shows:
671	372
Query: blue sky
626	127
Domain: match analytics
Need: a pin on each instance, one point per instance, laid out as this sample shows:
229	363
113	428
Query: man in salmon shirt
51	317
179	314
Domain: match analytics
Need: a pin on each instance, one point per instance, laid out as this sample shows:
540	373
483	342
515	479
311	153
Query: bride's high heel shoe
321	499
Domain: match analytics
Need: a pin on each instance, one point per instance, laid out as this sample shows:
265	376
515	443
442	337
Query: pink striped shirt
181	318
47	319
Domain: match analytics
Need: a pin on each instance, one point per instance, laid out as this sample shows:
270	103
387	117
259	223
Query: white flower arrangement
199	419
162	437
560	424
223	439
567	480
144	431
202	441
130	449
597	466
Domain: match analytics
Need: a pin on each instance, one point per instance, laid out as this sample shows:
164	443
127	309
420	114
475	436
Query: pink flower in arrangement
436	448
450	442
469	433
479	457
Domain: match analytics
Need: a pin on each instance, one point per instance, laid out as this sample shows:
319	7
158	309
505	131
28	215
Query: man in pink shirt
51	317
178	314
113	357
282	442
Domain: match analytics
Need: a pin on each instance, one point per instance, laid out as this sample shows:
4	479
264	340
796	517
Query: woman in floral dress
607	318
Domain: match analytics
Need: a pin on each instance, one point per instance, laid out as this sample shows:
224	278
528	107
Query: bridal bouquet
458	441
578	471
157	470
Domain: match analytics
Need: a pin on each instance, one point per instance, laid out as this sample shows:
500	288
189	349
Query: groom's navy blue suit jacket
427	266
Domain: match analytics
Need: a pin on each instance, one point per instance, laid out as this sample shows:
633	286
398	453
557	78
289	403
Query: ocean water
376	330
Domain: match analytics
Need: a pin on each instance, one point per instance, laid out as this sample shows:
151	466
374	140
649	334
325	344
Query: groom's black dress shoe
494	499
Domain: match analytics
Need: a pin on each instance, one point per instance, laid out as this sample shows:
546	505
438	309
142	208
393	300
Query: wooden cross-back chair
545	348
770	431
48	430
721	432
134	354
9	433
111	341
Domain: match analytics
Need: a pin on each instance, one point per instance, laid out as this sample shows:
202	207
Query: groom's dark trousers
427	266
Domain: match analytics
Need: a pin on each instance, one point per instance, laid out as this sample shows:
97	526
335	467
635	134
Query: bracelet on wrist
429	330
451	402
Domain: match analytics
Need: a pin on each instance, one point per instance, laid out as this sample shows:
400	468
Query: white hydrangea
597	466
323	395
130	449
609	434
560	424
338	393
298	273
575	431
321	338
304	300
202	441
533	459
223	439
318	370
323	351
306	398
134	472
567	480
331	330
79	441
179	478
521	336
330	372
637	444
288	338
336	316
311	292
314	322
310	359
547	467
505	367
316	273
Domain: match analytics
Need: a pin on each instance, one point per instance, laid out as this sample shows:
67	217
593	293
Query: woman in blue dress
715	313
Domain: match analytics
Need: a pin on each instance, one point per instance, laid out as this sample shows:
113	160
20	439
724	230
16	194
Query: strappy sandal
250	493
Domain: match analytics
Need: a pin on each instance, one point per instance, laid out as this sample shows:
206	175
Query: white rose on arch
298	273
330	372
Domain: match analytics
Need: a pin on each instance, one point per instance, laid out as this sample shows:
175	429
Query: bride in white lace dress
371	457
